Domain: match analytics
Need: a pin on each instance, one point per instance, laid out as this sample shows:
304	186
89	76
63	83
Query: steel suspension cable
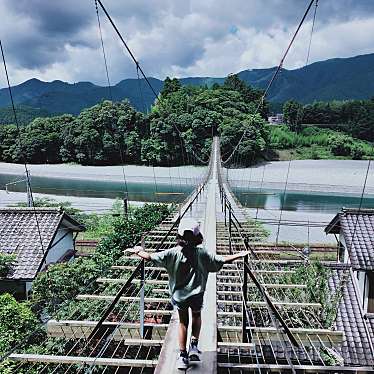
103	50
311	33
139	67
273	77
119	142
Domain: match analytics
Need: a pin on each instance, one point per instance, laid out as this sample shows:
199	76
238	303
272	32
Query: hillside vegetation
334	79
178	130
315	143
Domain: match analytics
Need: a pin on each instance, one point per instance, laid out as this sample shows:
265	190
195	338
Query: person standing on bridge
188	266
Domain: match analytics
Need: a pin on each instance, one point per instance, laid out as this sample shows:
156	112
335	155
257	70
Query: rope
284	197
27	172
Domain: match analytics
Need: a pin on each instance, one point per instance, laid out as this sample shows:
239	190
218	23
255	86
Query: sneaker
194	353
182	363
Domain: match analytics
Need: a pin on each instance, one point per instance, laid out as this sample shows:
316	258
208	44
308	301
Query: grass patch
317	144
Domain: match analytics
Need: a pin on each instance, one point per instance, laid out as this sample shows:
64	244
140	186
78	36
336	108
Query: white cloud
189	38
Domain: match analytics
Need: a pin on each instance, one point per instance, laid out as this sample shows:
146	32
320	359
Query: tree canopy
178	130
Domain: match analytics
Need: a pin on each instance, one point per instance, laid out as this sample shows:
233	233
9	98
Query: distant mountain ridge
334	79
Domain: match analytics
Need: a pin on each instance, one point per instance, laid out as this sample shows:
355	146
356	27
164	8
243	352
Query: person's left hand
243	253
133	251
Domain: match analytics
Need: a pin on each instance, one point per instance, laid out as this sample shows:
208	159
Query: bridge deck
123	340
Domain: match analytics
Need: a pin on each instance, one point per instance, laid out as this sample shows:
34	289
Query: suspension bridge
256	316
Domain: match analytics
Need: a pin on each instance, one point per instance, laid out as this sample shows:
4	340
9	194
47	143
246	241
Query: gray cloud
52	39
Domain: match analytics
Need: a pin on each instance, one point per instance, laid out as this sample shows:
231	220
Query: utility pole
28	190
27	180
125	204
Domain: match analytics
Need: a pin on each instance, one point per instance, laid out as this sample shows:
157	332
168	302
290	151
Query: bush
357	152
340	145
16	322
6	262
62	282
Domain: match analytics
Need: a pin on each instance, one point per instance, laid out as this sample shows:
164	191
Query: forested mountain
178	130
335	79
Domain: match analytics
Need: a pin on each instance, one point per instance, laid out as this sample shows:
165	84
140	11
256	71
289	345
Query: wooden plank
257	304
130	267
123	298
262	335
72	329
236	345
302	368
121	280
95	361
267	285
167	358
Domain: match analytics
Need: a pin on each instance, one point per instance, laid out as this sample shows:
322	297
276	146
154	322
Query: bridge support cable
311	32
106	336
314	342
274	76
139	68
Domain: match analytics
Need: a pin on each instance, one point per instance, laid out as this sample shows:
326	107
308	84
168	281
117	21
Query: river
313	193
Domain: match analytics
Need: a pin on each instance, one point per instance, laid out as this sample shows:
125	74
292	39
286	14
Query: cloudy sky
54	39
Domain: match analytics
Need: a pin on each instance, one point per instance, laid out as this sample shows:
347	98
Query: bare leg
183	327
196	324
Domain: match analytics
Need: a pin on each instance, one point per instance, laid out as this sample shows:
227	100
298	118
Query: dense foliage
25	114
6	261
314	143
316	277
355	117
62	282
16	322
112	133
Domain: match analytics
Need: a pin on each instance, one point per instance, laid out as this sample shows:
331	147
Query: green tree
293	114
16	322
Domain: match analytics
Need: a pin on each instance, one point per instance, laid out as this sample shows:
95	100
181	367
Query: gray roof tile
19	236
356	346
358	231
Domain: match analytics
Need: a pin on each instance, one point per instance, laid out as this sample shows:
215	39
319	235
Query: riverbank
319	176
86	204
117	173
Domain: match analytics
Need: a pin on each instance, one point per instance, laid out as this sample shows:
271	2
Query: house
36	237
276	119
354	231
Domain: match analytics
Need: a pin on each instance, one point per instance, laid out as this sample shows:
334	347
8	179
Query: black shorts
194	302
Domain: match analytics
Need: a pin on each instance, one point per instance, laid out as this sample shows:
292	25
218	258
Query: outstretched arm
236	256
137	250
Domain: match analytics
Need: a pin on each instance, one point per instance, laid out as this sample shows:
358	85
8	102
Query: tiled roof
19	236
358	231
356	346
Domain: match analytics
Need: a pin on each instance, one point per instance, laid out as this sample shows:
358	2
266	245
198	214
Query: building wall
345	258
363	285
64	245
361	276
